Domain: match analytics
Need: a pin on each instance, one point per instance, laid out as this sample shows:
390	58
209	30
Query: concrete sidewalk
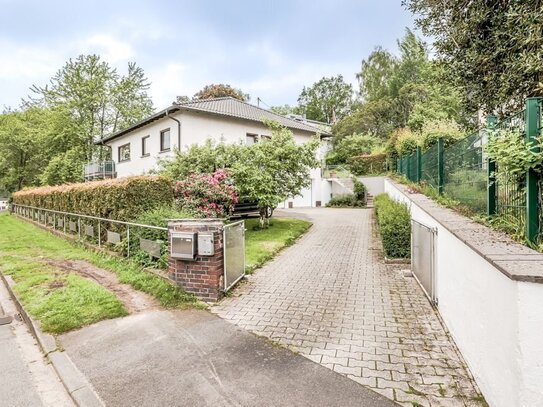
193	358
26	379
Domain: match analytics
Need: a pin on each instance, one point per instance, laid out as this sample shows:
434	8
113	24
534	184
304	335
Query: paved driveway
331	298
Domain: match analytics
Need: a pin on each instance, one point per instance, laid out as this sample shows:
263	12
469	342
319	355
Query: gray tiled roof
226	106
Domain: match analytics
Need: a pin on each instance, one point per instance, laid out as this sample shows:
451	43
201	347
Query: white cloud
167	82
111	49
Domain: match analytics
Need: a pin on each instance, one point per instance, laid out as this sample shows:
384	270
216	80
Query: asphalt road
193	358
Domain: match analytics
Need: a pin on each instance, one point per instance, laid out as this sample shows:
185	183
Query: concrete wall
375	185
496	322
196	128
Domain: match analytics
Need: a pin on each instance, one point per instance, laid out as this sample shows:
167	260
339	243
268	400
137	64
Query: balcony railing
100	170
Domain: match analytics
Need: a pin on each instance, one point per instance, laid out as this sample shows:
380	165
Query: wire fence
465	174
146	243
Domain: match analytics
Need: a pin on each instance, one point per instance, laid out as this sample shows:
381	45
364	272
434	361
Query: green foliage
220	90
120	199
326	100
368	164
469	188
285	110
513	154
261	245
492	51
374	117
355	200
351	146
446	129
64	168
267	172
99	100
394	223
406	141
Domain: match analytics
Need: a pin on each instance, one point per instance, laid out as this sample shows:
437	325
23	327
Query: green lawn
66	301
262	245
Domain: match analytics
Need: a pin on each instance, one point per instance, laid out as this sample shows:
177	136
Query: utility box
183	245
206	245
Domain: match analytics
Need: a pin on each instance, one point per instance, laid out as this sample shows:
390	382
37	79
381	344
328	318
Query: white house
137	149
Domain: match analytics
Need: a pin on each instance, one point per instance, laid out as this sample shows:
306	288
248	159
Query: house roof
225	106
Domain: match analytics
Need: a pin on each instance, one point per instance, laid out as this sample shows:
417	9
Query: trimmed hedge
368	164
394	223
120	199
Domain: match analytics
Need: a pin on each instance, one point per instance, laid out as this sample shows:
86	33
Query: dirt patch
133	300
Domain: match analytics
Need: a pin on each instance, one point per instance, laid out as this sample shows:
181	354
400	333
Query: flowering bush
206	195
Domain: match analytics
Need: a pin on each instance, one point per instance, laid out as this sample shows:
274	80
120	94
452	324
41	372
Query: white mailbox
206	246
183	245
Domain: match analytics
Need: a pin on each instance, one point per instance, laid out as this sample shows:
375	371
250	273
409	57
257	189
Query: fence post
419	164
491	121
532	216
440	165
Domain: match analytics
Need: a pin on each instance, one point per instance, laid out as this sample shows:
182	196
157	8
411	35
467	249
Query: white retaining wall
497	322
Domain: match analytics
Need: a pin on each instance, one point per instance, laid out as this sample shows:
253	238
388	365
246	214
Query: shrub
350	146
206	195
346	200
394	223
158	216
446	129
357	199
368	164
406	141
120	199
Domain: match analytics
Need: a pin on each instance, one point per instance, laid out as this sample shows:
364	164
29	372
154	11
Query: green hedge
368	164
120	199
394	223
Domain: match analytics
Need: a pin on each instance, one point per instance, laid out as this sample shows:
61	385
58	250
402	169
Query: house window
251	139
124	152
145	146
165	140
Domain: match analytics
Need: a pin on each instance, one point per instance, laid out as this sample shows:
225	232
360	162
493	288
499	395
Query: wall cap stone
514	260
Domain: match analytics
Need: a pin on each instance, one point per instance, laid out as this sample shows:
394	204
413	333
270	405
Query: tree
493	51
100	101
327	100
376	74
220	90
351	146
286	110
267	173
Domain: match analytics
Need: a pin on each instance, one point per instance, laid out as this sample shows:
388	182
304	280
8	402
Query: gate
423	258
234	253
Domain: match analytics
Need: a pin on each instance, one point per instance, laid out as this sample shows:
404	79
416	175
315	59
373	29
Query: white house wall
196	128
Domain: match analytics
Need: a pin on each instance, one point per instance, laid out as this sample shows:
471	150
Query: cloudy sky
269	49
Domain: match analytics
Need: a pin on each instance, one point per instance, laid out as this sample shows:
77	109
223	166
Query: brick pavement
330	298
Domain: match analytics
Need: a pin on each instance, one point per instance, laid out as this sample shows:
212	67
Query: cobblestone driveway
330	298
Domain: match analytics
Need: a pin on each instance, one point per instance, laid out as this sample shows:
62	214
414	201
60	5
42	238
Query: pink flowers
207	195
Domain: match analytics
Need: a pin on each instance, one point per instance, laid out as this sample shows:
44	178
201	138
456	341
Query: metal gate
423	255
234	253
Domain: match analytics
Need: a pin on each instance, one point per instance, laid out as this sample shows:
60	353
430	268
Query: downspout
178	129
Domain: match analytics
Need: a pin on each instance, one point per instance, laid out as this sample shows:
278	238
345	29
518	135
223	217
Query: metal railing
147	242
99	170
462	171
335	171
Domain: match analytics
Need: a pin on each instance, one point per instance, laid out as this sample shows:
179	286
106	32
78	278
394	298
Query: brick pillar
202	276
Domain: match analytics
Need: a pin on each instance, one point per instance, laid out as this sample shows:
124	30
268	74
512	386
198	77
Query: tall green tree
491	50
220	90
99	99
327	100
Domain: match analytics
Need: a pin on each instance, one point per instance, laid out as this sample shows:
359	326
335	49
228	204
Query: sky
269	49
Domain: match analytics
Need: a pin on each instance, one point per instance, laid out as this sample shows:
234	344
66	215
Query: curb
76	384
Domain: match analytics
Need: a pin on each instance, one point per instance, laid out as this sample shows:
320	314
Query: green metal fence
462	171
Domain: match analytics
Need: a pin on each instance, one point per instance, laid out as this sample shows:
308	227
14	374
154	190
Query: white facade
196	128
496	322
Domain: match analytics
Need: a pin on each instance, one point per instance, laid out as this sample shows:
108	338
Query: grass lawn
64	301
262	245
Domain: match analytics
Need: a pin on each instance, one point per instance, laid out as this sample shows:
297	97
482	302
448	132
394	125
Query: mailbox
183	245
206	246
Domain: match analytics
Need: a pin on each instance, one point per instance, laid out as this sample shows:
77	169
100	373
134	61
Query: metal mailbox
206	246
183	245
